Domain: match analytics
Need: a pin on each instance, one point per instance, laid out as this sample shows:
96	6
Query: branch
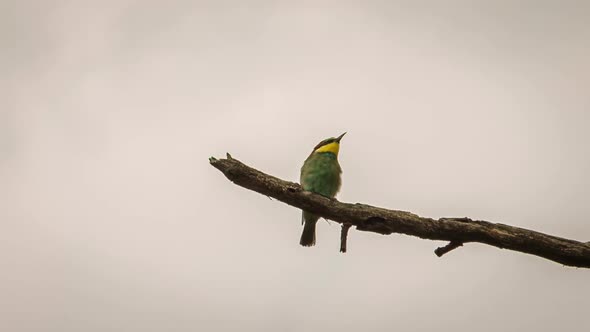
383	221
451	246
344	236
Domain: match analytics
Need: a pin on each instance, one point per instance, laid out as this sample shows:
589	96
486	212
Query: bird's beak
340	137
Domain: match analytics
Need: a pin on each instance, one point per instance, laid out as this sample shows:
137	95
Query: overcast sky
112	218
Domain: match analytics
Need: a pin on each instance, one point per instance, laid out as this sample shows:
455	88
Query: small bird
320	174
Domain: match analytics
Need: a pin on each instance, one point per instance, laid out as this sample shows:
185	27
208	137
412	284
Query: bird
320	174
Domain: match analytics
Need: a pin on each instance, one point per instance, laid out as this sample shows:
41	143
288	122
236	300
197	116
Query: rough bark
383	221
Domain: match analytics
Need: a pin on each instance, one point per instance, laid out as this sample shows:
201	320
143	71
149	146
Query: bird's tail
308	235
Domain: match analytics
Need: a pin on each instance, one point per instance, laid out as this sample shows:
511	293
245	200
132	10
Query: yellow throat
333	147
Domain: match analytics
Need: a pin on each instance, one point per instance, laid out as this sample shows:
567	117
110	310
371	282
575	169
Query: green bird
320	174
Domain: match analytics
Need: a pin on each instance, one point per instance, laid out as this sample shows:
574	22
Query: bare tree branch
451	246
344	236
383	221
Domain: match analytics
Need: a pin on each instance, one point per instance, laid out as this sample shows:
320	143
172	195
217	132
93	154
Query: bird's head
331	145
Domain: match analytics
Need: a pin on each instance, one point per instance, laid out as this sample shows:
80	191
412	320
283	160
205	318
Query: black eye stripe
324	142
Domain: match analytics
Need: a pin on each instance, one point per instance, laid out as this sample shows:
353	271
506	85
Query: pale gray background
113	220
